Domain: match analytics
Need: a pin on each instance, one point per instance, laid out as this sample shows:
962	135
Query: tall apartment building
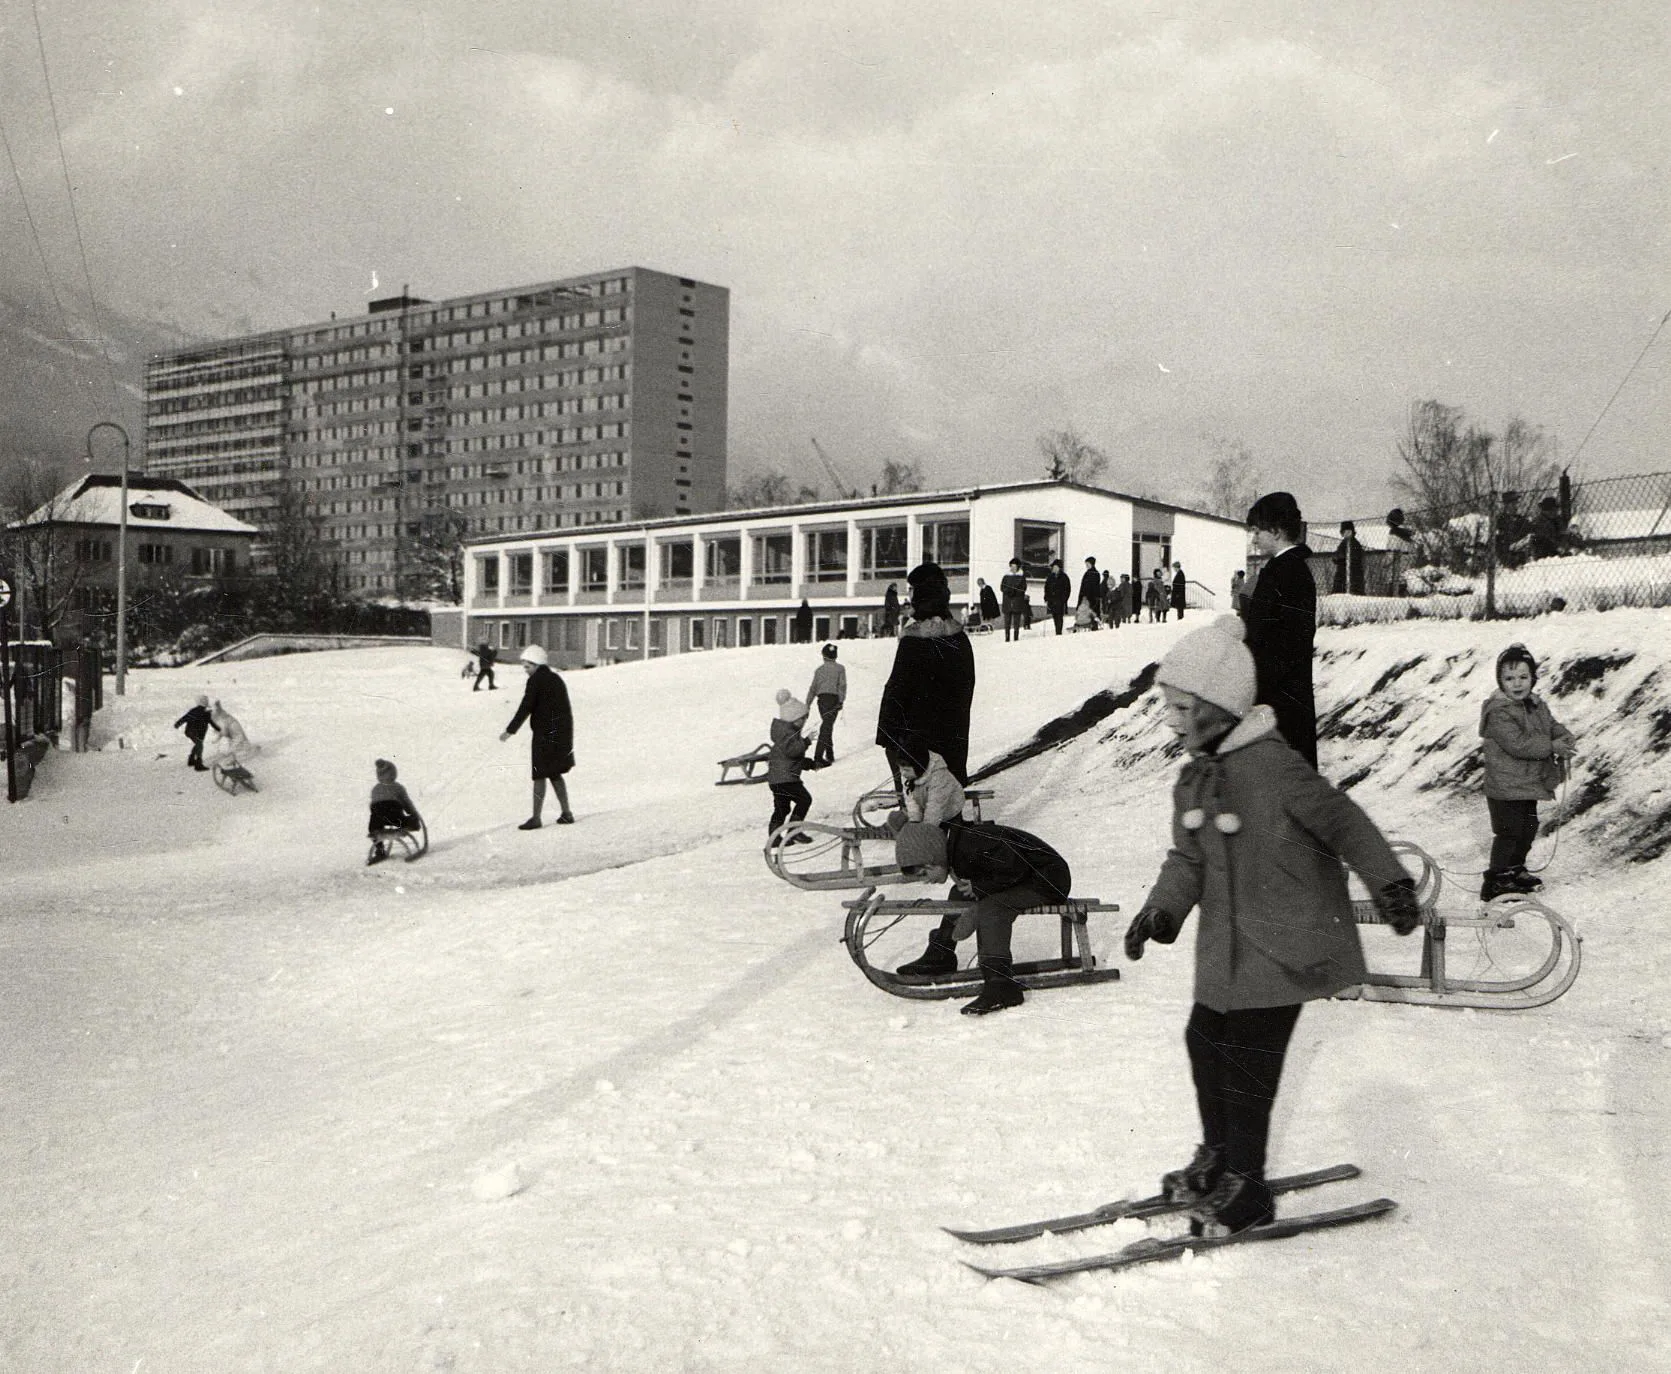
586	401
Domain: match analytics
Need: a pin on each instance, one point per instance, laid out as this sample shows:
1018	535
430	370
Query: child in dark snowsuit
391	808
790	799
1259	844
198	722
1526	753
1006	871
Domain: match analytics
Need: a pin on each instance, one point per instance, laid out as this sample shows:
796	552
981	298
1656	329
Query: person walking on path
829	693
1090	590
1014	587
545	706
486	657
987	600
1260	846
1180	589
1282	620
926	701
1526	755
1348	561
198	722
790	798
1005	871
1058	591
890	610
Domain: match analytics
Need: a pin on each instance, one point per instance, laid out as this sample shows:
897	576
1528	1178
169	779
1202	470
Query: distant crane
842	489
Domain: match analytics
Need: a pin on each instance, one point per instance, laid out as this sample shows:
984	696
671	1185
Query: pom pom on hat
1212	663
783	695
535	653
789	707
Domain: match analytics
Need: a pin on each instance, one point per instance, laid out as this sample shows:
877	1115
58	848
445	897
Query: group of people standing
1101	600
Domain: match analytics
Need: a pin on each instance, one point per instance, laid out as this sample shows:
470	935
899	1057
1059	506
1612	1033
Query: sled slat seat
749	767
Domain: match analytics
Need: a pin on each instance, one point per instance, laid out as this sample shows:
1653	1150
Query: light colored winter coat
1520	738
936	796
829	678
1259	844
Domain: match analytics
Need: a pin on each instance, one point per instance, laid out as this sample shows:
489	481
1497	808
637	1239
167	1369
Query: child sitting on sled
1259	844
391	809
1526	754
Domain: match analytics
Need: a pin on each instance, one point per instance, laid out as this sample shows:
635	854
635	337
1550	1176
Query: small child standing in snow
790	799
1258	844
198	722
1526	753
391	808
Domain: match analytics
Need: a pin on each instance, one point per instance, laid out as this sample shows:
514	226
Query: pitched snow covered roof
157	502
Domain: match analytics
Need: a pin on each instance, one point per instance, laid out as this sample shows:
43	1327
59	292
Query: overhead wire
35	232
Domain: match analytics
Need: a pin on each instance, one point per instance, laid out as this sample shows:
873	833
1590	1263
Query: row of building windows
470	310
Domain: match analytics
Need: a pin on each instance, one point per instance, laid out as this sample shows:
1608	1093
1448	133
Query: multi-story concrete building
739	578
587	401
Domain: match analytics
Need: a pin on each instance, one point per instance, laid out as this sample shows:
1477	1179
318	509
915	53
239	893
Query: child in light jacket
1526	753
1260	845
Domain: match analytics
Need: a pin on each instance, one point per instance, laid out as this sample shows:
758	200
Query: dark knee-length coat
1281	620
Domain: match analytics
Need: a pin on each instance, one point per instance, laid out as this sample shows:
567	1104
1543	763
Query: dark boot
1234	1205
999	989
1498	882
1197	1178
1524	880
939	957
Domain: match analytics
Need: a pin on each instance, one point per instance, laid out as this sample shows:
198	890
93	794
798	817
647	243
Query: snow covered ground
260	1098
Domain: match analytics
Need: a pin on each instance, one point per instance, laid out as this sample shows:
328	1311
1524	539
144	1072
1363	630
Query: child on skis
1526	754
1005	871
391	808
790	799
1258	844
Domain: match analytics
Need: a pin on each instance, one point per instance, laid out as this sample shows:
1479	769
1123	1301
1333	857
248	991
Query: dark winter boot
999	989
939	957
1524	880
1234	1205
1497	883
1197	1178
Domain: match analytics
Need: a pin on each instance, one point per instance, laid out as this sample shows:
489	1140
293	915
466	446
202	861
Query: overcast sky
945	226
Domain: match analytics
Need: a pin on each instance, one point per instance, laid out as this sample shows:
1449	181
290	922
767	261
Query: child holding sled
790	799
391	809
1526	754
1259	841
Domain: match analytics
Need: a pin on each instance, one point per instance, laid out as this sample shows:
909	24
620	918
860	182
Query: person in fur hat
545	705
1005	871
1260	845
926	702
391	808
1526	752
790	798
198	722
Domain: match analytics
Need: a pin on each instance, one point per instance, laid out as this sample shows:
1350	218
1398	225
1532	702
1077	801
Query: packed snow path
610	1097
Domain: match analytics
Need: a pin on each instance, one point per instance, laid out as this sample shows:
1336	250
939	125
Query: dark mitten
1151	923
1398	905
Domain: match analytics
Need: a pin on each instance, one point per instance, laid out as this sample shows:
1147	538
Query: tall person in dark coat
890	611
1090	588
1282	621
1013	584
1180	589
545	706
803	623
1058	591
1348	561
925	704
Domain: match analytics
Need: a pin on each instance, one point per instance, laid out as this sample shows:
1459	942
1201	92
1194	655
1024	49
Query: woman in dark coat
1179	590
925	704
1282	621
890	611
1014	587
545	705
1058	591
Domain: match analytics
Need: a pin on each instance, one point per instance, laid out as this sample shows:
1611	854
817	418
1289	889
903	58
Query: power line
75	219
1621	386
35	233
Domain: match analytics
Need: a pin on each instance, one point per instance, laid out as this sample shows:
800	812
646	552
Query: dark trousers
790	801
1514	826
1014	623
486	670
1236	1060
829	707
1056	614
195	758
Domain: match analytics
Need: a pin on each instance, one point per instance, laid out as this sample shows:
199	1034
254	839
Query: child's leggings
1236	1059
1514	825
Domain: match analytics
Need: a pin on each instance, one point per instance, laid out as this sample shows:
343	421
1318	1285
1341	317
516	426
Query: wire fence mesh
1575	545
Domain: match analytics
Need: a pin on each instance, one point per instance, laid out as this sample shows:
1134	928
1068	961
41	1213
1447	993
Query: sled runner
874	914
750	766
1532	966
392	842
831	858
230	775
871	810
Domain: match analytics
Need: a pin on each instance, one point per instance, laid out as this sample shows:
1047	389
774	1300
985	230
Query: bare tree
438	557
297	551
37	550
769	488
1069	457
899	477
1233	479
1454	466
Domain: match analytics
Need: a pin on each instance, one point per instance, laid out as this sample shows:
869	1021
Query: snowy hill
262	1097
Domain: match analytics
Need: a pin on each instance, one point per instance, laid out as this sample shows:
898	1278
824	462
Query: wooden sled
230	776
1541	965
750	766
871	810
874	914
406	845
831	858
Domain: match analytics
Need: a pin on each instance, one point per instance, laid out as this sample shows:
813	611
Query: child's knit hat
1517	653
386	771
789	706
1212	663
535	653
920	845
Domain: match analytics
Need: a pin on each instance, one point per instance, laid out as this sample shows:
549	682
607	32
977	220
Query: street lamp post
121	555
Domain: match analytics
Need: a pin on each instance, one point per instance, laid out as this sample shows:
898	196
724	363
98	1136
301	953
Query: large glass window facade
882	552
946	542
774	557
827	556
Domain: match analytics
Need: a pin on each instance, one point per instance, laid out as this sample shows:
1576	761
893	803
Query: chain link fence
1575	545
